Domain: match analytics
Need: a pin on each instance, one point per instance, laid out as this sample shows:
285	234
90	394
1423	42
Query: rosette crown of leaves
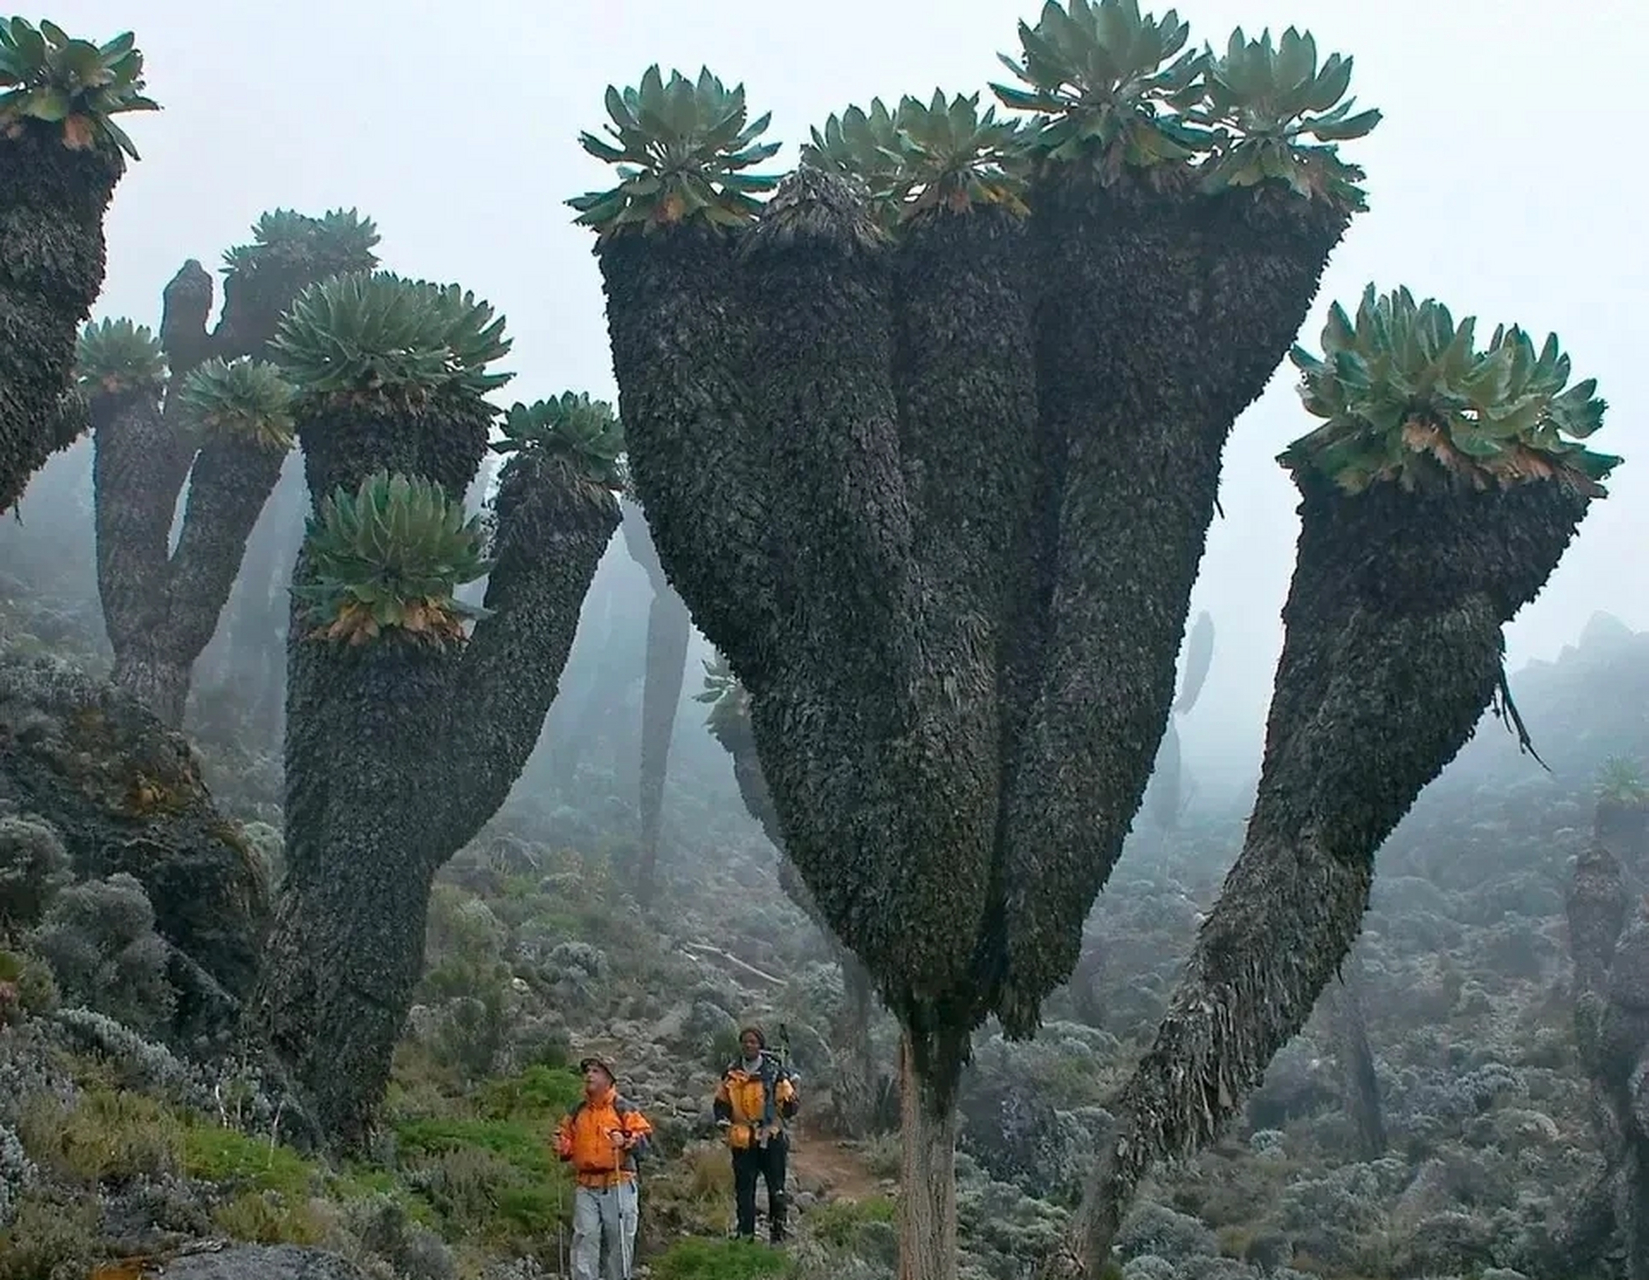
585	431
387	559
1110	82
683	149
1407	396
50	78
114	357
1280	115
337	242
379	333
243	399
956	157
864	146
944	154
1621	781
724	694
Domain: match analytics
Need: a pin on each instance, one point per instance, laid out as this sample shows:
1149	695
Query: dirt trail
840	1169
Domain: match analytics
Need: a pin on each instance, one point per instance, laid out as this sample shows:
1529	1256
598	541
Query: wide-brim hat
584	1064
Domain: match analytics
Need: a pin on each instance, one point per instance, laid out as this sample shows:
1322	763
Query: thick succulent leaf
379	332
677	142
116	356
1406	396
54	79
245	399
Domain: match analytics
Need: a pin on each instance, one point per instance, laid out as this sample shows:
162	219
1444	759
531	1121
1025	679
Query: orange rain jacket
584	1139
743	1099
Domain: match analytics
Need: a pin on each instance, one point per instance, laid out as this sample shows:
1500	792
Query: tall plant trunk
1348	1014
1624	830
854	1099
248	654
149	673
1154	271
854	1090
181	595
595	715
927	1174
1386	669
340	979
1162	793
669	627
161	606
52	257
137	454
347	948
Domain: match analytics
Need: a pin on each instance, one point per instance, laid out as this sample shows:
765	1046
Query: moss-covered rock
125	795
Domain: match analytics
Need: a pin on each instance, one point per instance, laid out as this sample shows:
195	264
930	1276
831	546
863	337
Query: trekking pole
561	1225
625	1261
784	1062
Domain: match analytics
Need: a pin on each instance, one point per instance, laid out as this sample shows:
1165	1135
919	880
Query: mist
1484	192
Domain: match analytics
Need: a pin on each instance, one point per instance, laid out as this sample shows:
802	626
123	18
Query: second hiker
600	1138
756	1098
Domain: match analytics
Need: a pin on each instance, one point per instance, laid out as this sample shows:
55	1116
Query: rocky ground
119	1150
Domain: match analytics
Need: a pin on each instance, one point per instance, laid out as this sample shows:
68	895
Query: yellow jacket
755	1104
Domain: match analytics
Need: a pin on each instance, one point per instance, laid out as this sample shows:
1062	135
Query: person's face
751	1044
595	1079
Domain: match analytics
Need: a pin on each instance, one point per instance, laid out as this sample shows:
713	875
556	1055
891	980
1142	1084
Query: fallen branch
704	948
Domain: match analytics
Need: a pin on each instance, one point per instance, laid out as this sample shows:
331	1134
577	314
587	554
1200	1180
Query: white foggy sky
1498	183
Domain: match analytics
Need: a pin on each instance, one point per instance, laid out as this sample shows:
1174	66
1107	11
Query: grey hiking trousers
605	1216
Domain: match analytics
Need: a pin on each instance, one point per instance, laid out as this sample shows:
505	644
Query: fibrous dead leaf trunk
1359	1082
52	257
669	629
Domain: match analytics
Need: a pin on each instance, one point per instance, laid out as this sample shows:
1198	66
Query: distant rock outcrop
1588	705
125	795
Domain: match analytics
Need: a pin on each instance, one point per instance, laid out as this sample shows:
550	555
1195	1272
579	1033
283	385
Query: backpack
621	1107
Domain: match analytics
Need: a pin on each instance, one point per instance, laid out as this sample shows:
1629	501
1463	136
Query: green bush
720	1260
51	1235
839	1223
212	1153
493	1180
539	1092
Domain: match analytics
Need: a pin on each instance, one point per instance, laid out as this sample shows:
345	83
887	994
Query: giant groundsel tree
407	725
1438	495
669	630
930	442
201	408
61	154
1169	790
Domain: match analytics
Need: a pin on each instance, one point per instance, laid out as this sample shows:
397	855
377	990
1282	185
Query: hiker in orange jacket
755	1099
600	1138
